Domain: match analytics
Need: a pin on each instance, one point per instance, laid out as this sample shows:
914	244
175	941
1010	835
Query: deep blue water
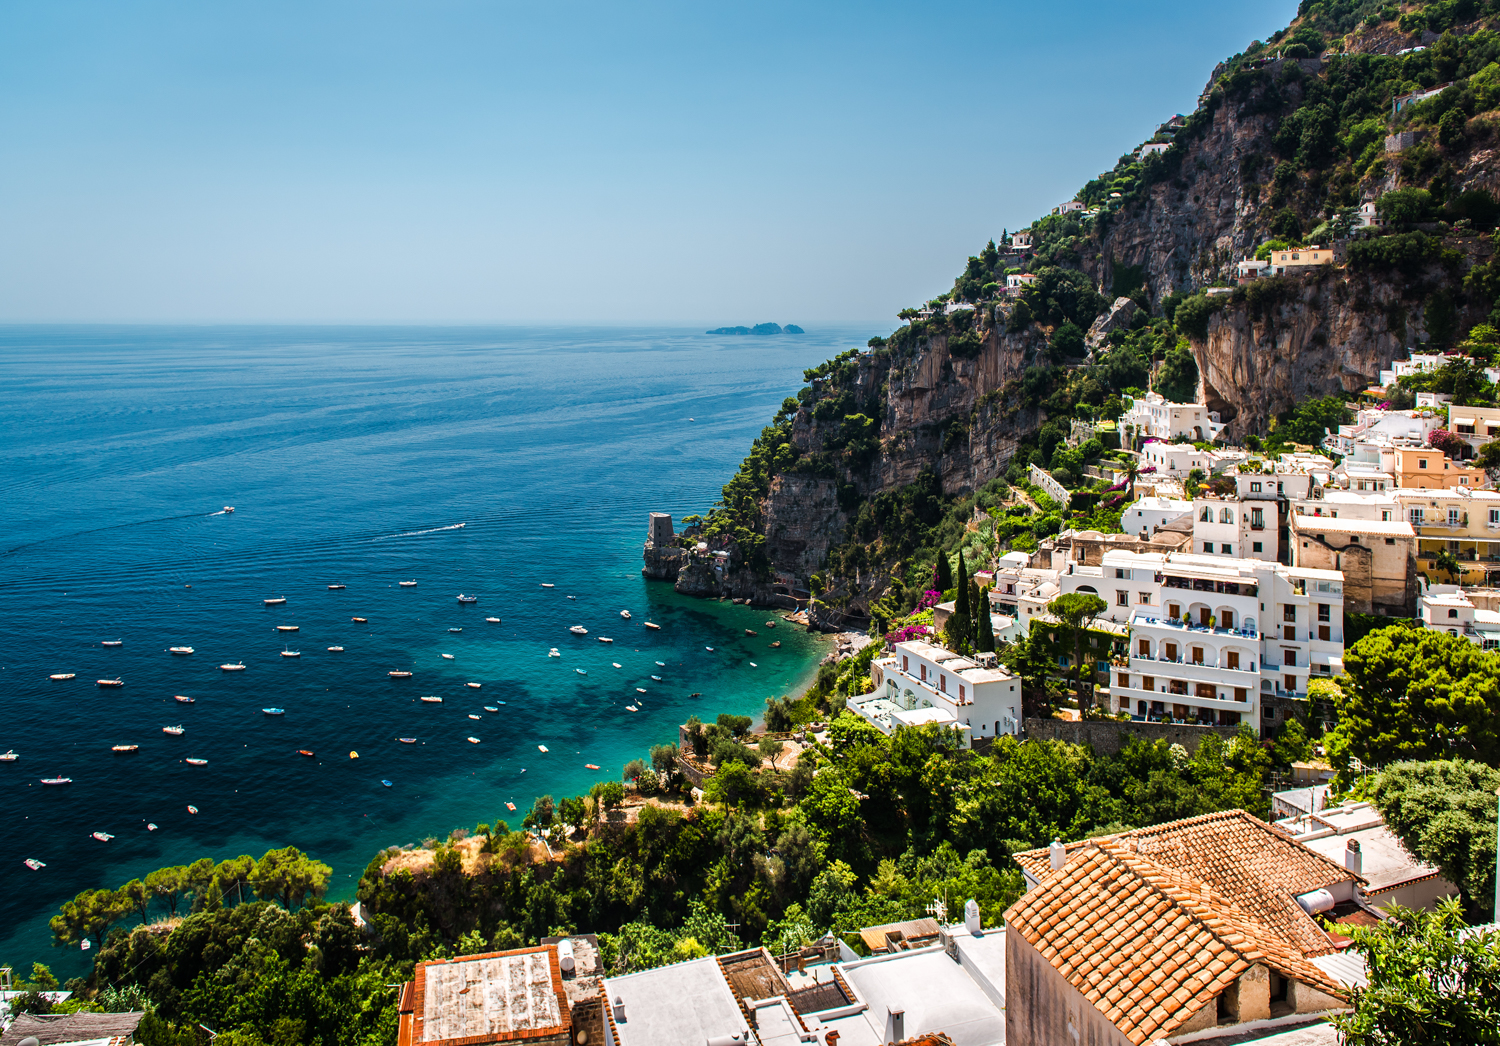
350	455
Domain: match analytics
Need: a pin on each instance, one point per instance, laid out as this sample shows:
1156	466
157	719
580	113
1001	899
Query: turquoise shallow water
350	455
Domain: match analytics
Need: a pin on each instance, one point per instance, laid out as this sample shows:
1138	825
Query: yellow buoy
353	755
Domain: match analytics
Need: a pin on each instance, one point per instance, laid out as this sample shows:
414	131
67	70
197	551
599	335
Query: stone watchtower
660	532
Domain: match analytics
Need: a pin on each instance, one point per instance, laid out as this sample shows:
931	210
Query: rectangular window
1121	572
1122	598
1324	612
1385	515
1390	541
1257	518
1495	515
1453	517
1289	632
924	673
1122	680
1289	613
1197	655
1289	659
1291	683
1241	694
942	682
1414	515
1208	546
1173	610
1145	598
1148	682
1228	550
1255	487
1171	651
960	691
1256	546
1421	463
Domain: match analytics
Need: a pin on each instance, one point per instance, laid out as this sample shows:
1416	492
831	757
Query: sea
517	465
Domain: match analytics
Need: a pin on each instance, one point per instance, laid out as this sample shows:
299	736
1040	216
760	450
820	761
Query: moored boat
605	639
473	716
467	599
473	686
111	682
617	664
455	630
335	588
652	625
360	620
580	671
303	751
625	614
631	708
103	837
384	782
407	740
473	740
57	780
196	762
491	708
175	731
179	650
183	699
541	748
751	632
232	668
278	601
776	644
62	675
579	630
431	699
407	584
291	653
511	807
657	678
552	652
754	665
590	766
399	675
640	690
112	642
124	748
446	657
150	827
335	650
274	711
9	757
661	664
548	584
192	809
36	866
493	620
288	628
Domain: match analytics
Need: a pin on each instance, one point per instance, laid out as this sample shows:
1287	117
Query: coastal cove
351	456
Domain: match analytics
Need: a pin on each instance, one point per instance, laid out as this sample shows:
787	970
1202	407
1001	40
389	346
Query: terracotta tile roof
1258	866
1148	946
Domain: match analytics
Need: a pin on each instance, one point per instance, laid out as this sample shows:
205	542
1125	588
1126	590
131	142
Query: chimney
1353	860
619	1010
1058	853
832	1038
898	1025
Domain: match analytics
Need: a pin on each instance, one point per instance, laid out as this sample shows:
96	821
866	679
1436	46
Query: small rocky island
760	328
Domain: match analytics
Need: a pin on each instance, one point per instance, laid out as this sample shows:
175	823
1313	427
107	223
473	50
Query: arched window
1207	516
1226	515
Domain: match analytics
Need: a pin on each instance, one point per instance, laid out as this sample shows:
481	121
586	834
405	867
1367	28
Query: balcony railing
1170	622
1197	664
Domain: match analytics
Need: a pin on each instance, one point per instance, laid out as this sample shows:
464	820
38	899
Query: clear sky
557	161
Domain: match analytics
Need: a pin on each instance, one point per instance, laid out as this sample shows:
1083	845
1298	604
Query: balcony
1179	625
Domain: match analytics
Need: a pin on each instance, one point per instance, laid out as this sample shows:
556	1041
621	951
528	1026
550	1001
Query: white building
1424	363
1154	149
1153	415
926	683
1245	524
1016	281
1373	506
1069	207
1367	218
1144	515
1212	638
1374	428
1175	459
1251	269
1476	426
1447	608
1021	241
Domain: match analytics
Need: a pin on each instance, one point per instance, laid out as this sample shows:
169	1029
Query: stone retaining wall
1107	736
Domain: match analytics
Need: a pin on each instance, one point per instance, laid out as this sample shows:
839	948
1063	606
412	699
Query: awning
1320	657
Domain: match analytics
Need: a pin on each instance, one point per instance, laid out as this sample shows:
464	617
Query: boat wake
417	533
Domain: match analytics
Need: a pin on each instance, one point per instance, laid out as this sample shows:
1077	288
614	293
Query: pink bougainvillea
1447	442
907	633
931	598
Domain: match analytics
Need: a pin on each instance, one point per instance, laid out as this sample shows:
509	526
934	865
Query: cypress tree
960	628
942	573
962	602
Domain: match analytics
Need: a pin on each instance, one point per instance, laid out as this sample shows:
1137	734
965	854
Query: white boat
657	678
572	597
617	664
9	757
709	649
754	665
661	664
183	699
579	630
553	653
473	686
491	708
57	780
175	731
34	864
62	675
625	614
196	762
192	809
467	599
631	708
473	740
493	620
111	682
112	642
179	650
541	748
605	639
150	827
274	711
446	657
640	690
473	716
431	700
336	588
652	625
399	675
335	650
548	584
407	584
229	510
291	653
232	668
455	630
103	837
407	740
278	601
288	628
124	748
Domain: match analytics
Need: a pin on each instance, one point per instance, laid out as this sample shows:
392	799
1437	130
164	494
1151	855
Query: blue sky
557	162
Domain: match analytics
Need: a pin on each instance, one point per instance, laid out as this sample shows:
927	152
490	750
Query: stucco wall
1040	1005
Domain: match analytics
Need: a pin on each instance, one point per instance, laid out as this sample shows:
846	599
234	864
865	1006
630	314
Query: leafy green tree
1406	206
1410	693
1431	982
1177	379
139	897
88	916
1444	813
1075	611
613	794
633	769
1067	341
167	884
1445	562
289	876
233	876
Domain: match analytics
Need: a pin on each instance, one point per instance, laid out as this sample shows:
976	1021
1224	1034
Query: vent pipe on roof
1353	859
619	1010
1058	854
565	961
898	1025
